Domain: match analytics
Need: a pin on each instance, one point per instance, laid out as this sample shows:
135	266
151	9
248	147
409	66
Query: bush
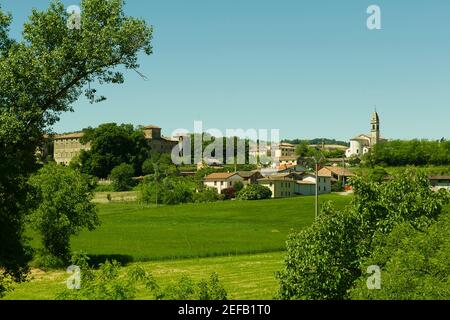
229	193
187	289
254	192
122	177
207	195
170	191
238	186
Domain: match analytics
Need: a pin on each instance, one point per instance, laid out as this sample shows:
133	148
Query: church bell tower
375	122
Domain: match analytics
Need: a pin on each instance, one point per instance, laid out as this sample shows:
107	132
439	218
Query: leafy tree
169	191
111	146
64	207
414	152
162	162
41	76
254	192
302	149
415	264
324	260
122	177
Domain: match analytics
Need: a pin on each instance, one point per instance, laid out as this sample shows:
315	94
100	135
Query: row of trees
329	260
414	152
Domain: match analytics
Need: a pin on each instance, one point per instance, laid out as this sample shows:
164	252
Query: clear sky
308	68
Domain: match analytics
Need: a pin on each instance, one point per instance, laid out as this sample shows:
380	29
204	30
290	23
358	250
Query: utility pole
317	161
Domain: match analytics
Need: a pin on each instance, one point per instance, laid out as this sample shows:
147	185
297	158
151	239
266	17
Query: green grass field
130	232
245	277
242	241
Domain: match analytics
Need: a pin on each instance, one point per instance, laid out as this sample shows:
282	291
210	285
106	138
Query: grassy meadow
131	233
243	241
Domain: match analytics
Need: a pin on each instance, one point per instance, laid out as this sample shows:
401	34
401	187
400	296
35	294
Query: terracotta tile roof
276	178
338	171
220	176
247	174
151	127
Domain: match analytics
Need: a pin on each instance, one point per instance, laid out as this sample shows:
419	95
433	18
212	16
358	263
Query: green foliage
324	260
414	152
207	195
6	283
122	177
169	191
415	264
111	282
379	174
63	207
107	283
111	146
41	75
186	289
238	186
254	192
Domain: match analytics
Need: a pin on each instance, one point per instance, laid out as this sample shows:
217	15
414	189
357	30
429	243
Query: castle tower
375	123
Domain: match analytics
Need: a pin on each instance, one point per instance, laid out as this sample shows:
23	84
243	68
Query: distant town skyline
310	69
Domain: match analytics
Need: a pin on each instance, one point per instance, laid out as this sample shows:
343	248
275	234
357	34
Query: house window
221	183
215	183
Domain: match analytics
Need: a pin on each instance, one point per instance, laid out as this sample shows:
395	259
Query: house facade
66	147
221	181
281	187
307	186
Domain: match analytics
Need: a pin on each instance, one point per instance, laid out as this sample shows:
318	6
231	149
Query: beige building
68	146
307	186
285	152
158	143
281	186
221	181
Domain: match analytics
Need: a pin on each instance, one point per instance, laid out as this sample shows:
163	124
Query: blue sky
308	68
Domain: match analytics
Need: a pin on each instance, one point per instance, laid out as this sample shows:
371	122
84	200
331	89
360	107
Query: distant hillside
318	141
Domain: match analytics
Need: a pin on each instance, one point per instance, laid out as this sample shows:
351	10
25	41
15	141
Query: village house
336	173
281	186
250	177
307	186
222	180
